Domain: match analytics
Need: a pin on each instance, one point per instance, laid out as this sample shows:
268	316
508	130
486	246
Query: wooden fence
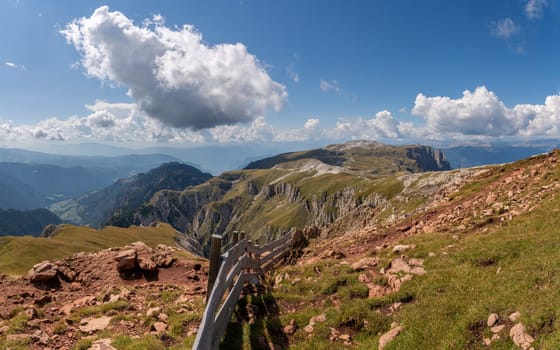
242	263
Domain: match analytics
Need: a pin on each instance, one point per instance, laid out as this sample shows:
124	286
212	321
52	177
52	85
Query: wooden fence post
242	235
235	237
215	249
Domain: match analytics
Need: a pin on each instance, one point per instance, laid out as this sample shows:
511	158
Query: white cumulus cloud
477	112
481	112
171	73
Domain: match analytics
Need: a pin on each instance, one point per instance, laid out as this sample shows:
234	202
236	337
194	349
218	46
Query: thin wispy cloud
331	85
505	28
14	65
292	74
534	9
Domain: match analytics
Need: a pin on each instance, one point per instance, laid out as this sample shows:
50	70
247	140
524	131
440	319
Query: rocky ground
131	291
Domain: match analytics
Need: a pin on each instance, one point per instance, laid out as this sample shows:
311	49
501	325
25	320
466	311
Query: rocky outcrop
140	256
428	158
43	272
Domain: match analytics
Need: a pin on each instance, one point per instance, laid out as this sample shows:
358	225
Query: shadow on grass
262	332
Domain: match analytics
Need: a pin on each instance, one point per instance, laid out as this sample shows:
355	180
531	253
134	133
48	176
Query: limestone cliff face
428	158
200	216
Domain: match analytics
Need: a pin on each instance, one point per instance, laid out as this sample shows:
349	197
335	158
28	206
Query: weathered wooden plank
239	249
270	260
236	269
280	249
255	250
272	245
231	257
224	314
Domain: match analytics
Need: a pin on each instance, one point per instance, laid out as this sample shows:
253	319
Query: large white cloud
481	113
171	73
477	112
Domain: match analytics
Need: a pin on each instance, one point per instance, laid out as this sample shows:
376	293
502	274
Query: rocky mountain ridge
315	187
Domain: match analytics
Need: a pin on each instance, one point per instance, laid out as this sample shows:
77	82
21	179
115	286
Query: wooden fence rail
241	263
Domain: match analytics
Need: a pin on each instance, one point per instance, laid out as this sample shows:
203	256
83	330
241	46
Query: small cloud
14	66
293	75
534	8
327	86
312	123
403	110
505	28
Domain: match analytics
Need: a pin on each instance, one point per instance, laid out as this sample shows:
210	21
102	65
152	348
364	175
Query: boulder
153	311
43	272
389	336
492	320
399	265
88	325
290	328
520	337
126	260
365	263
497	329
163	259
401	248
159	327
145	262
102	344
514	316
317	319
332	253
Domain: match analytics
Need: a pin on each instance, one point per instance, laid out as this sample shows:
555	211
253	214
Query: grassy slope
444	309
19	254
461	289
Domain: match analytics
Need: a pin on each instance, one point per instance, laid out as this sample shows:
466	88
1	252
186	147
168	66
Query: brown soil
41	306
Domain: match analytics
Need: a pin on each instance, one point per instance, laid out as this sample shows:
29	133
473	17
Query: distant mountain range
39	179
217	158
30	222
121	165
115	204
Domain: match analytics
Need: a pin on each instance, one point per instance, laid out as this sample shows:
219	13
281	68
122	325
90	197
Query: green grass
103	308
148	342
19	254
462	288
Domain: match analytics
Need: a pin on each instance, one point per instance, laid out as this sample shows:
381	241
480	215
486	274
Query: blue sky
395	71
